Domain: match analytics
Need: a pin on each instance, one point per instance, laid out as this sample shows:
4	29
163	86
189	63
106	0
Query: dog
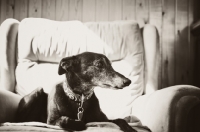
72	104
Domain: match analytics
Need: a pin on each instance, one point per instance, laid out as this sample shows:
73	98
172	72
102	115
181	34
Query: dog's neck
75	96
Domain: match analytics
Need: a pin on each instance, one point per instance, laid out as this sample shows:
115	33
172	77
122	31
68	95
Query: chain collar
74	96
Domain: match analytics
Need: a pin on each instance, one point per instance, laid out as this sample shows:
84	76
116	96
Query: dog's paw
80	126
127	128
71	124
123	125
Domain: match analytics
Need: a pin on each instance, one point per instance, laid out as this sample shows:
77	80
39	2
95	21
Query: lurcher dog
72	103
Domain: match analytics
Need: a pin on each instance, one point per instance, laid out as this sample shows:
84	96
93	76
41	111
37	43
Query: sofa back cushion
43	43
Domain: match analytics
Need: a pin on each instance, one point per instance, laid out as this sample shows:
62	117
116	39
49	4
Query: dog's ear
66	64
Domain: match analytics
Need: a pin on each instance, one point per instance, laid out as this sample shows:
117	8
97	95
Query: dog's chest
68	107
74	110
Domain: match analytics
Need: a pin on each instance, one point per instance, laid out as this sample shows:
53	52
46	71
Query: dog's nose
127	82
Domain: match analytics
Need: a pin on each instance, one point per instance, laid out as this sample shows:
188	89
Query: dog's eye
99	64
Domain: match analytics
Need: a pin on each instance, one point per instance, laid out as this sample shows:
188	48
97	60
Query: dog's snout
127	82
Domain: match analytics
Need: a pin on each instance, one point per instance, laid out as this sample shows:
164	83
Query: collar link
74	96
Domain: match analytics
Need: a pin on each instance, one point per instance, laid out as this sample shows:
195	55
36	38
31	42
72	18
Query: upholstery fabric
92	127
42	43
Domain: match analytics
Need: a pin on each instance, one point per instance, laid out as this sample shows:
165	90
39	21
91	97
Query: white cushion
42	43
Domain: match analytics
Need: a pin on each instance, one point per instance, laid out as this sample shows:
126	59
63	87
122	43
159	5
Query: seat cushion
43	43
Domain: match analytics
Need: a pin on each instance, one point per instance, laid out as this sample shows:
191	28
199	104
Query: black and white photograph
100	65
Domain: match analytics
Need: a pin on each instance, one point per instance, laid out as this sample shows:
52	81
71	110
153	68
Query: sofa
31	51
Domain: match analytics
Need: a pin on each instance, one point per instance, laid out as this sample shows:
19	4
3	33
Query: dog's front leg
123	125
54	118
67	123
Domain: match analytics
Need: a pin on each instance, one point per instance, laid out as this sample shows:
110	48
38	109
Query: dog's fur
83	72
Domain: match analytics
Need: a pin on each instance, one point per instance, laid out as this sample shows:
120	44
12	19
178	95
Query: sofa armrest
8	105
174	109
8	41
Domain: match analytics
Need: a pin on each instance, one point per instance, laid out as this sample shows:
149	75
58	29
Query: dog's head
91	69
